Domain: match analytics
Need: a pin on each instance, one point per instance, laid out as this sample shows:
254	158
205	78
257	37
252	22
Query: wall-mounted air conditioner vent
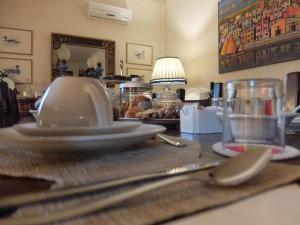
102	11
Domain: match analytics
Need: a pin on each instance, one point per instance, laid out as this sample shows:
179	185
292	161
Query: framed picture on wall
256	33
145	73
139	54
16	41
19	70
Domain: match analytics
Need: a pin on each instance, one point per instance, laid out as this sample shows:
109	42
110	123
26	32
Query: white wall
183	28
69	17
192	34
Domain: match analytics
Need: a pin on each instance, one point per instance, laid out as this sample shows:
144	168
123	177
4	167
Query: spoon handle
171	141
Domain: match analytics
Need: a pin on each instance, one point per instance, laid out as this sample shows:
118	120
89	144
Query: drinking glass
253	114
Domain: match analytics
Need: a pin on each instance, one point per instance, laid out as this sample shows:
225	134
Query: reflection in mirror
78	56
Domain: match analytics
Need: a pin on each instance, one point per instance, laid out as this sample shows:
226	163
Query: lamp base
167	99
167	88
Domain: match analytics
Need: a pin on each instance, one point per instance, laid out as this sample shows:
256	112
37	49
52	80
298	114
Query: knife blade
25	199
89	207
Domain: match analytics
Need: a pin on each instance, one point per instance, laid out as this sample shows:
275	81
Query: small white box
195	121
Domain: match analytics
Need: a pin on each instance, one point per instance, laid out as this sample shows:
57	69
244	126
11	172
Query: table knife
24	199
89	207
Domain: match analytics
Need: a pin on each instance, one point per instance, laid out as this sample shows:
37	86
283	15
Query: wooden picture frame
139	54
16	41
145	73
19	70
58	39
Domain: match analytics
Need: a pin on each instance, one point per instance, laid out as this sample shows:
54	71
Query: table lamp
168	71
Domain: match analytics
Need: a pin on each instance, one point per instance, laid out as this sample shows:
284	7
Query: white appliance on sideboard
195	94
100	11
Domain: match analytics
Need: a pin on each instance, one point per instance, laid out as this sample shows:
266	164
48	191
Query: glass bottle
27	92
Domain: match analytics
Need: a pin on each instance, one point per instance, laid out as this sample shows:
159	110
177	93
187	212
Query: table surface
278	206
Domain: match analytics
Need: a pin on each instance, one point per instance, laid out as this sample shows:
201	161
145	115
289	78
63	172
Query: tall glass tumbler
253	113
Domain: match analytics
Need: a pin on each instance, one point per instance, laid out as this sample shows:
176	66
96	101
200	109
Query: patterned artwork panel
257	32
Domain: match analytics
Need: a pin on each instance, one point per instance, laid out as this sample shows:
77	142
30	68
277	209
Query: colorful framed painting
256	33
15	41
139	54
145	73
19	70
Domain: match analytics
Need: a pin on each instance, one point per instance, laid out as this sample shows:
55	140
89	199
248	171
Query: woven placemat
71	169
165	204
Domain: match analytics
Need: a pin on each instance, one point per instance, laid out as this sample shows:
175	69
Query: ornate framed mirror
81	56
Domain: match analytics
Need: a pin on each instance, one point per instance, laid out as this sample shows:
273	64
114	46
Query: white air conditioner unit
107	12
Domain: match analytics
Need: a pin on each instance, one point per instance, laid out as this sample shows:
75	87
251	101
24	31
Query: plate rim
81	138
217	147
128	119
21	126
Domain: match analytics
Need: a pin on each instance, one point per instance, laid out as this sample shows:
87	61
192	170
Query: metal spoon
242	167
170	140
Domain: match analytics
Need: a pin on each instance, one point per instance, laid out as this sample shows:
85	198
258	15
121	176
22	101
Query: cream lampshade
167	71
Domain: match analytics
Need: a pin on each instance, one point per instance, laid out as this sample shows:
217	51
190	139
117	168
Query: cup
253	112
75	102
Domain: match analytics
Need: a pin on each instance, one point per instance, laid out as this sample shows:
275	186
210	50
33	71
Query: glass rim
273	80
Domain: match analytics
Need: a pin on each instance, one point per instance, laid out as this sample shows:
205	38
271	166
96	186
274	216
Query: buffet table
278	206
246	205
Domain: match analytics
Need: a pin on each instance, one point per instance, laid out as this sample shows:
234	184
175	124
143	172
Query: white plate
163	122
117	127
278	153
68	144
296	120
295	126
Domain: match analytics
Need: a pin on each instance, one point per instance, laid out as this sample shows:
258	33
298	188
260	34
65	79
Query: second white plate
31	129
68	144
